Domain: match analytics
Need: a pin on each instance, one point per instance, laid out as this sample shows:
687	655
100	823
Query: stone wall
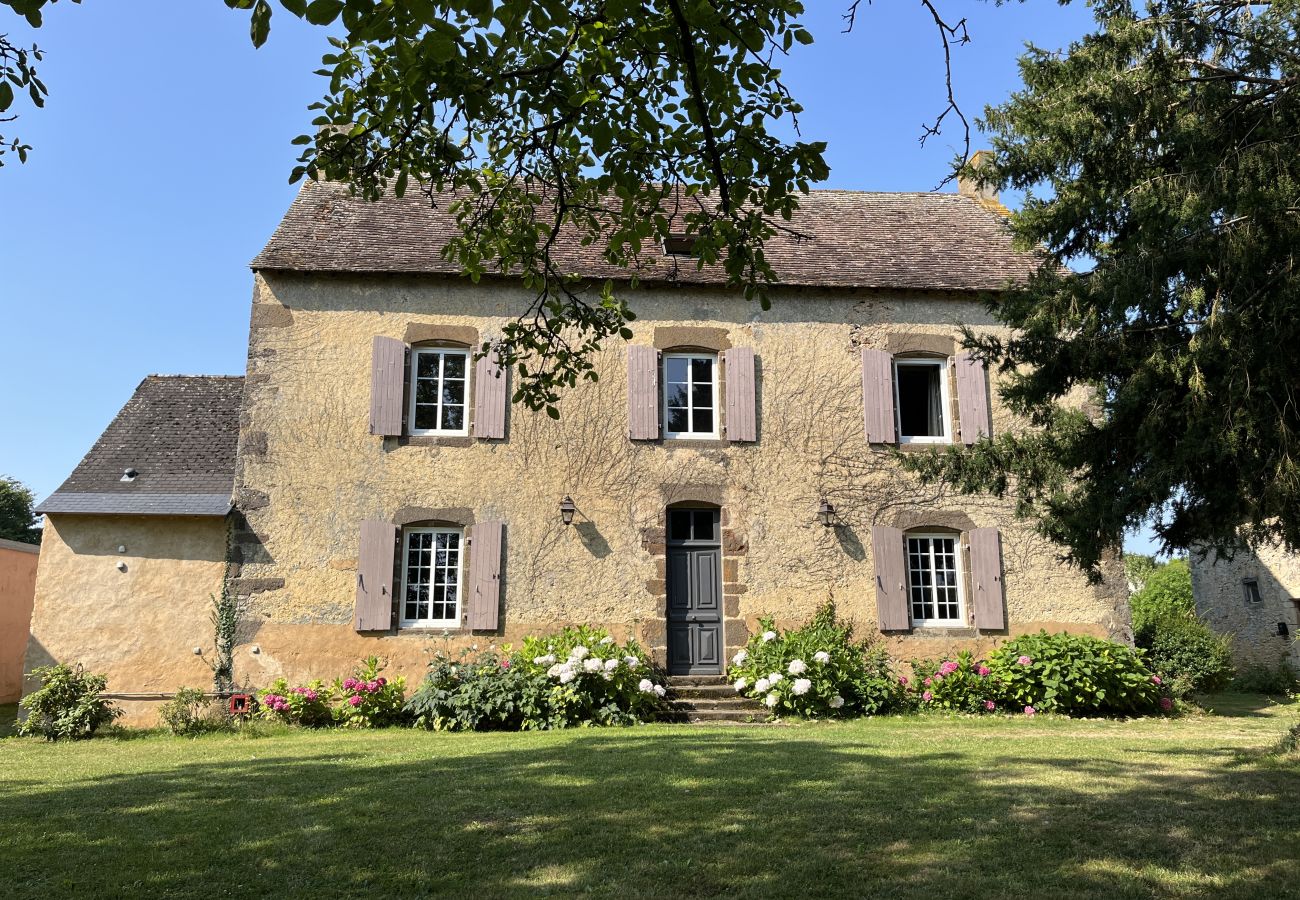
139	626
17	587
1222	602
309	473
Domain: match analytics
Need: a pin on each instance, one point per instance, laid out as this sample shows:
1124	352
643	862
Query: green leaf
6	95
260	24
323	12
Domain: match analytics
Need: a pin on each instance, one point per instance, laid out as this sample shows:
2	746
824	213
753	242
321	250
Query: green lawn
924	807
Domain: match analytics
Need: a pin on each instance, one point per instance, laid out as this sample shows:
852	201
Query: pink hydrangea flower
948	668
354	700
1024	660
349	683
1166	704
990	705
1155	679
927	696
505	663
902	679
928	681
381	680
983	671
1029	711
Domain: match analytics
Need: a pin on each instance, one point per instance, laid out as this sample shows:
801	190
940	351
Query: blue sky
161	162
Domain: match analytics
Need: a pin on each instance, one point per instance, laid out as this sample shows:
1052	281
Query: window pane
920	404
675	395
674	369
702	421
702	371
426	391
702	396
426	365
453	418
677	420
453	392
426	417
453	365
704	524
679	524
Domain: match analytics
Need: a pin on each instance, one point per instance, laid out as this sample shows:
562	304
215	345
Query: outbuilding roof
849	239
177	434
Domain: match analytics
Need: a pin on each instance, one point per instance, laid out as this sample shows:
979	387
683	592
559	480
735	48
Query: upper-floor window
439	388
1251	588
690	395
921	398
934	579
431	576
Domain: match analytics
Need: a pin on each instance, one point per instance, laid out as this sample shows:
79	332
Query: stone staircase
711	698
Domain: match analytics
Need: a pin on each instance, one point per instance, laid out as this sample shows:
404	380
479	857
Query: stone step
717	703
702	691
674	681
737	716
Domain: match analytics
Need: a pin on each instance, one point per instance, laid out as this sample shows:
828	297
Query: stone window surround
938	521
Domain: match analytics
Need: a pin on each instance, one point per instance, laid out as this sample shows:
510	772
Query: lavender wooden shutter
878	395
642	393
374	609
387	378
891	578
489	397
485	574
742	418
972	398
986	578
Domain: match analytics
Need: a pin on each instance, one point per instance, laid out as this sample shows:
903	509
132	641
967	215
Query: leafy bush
67	705
579	676
816	670
368	699
306	704
1187	655
1166	592
1075	675
960	684
192	712
1257	679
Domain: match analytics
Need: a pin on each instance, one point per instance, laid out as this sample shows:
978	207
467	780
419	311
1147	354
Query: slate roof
907	241
179	433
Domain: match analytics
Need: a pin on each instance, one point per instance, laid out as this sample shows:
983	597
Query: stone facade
1226	602
17	587
129	597
308	473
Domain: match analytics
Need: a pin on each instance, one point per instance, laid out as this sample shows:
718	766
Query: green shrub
1075	675
816	670
1187	655
579	676
1257	679
1166	592
368	699
306	704
960	684
192	712
67	705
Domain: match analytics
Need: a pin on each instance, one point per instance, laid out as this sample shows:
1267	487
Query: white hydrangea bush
816	670
595	678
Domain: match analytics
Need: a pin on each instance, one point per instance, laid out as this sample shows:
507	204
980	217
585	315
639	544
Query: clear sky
161	167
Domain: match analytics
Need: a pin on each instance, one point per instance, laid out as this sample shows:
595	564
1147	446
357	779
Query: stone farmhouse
368	488
1255	598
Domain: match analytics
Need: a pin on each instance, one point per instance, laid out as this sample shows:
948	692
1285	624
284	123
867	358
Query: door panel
695	639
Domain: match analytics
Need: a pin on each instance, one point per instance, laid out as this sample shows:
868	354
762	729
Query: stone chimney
968	187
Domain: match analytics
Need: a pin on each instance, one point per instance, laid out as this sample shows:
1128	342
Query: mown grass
912	807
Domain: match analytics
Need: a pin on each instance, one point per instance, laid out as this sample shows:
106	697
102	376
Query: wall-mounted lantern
826	513
567	510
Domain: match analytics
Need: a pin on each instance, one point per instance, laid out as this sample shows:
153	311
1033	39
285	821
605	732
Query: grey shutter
489	397
642	393
374	610
742	417
972	398
387	378
485	574
878	395
986	578
891	578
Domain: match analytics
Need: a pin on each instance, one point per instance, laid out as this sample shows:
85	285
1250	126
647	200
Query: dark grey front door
694	592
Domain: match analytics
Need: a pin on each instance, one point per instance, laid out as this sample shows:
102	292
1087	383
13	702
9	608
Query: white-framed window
431	580
439	391
934	579
690	395
921	398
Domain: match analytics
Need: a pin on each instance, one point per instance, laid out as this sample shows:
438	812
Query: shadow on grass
8	719
656	815
1234	705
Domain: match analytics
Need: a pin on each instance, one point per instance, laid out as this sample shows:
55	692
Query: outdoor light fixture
826	513
567	510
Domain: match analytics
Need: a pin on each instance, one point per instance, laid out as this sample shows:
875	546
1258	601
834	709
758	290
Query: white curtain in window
935	412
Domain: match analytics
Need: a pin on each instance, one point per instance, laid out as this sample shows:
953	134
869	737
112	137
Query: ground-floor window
431	576
934	579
